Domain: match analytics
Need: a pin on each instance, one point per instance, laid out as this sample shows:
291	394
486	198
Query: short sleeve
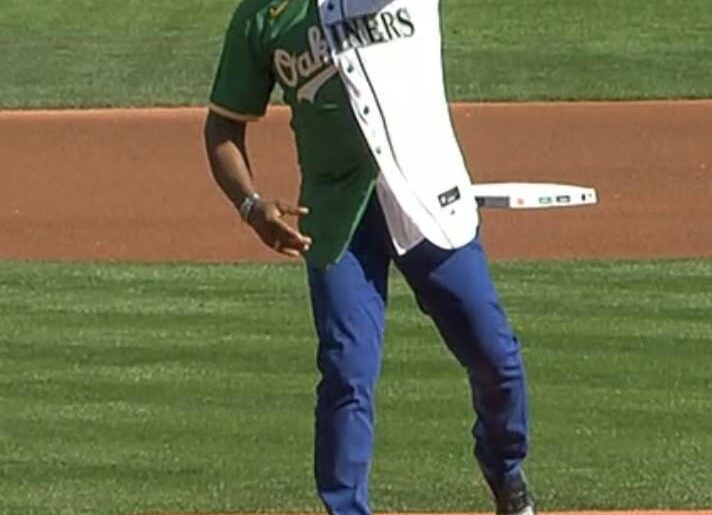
244	80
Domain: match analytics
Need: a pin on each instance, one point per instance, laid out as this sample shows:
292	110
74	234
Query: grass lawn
139	388
145	388
131	52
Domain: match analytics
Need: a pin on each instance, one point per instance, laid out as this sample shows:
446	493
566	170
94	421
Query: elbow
209	132
214	137
218	130
224	141
211	142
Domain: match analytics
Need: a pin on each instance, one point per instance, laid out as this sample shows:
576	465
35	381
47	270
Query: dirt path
133	185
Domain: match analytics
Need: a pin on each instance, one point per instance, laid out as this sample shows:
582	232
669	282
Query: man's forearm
225	147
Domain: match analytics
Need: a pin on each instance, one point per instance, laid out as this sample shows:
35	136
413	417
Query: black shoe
514	499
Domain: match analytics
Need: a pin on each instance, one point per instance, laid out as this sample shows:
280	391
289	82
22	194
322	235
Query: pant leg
348	303
455	289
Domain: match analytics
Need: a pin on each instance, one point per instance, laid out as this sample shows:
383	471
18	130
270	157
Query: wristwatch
248	204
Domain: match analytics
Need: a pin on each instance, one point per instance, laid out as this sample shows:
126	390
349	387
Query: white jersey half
389	57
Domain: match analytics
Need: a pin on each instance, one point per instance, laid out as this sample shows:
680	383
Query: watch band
248	204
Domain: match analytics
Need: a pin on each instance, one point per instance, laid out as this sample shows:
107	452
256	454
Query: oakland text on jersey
291	68
371	29
311	69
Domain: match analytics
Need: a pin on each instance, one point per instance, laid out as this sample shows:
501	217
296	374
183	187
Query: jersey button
366	110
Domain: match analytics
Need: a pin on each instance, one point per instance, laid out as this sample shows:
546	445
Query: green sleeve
244	79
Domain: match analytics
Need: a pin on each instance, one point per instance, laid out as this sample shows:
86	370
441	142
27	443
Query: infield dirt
133	185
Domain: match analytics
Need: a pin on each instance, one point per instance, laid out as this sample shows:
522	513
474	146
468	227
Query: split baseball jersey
363	79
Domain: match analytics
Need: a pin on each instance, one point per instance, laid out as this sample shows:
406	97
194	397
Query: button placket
363	105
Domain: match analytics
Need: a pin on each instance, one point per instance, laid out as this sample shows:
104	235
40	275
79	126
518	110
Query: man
383	180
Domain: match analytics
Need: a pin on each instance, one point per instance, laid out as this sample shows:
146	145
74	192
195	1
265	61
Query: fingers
285	239
288	209
290	250
268	222
287	233
294	253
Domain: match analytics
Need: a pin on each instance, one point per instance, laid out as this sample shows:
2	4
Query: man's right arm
229	162
225	146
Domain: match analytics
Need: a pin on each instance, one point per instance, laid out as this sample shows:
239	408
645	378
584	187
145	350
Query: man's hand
267	220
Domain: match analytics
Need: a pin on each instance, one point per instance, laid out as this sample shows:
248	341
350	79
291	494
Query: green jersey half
281	42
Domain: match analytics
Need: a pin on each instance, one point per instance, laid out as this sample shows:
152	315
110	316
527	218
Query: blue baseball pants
454	288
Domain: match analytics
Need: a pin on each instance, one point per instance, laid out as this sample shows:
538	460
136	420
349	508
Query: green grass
130	52
135	388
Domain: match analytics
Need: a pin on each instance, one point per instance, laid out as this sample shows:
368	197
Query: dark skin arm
227	153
